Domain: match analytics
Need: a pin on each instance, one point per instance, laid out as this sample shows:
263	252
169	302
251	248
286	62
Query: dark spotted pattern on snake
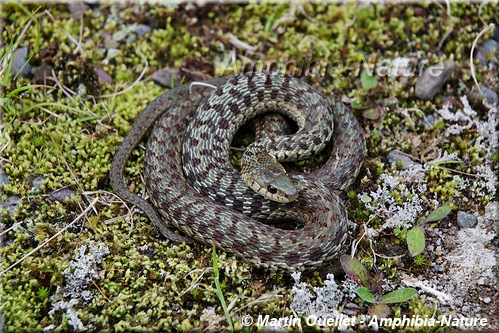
208	202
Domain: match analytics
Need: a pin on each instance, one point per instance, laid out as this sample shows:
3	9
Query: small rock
373	114
163	77
140	29
112	53
489	94
396	156
11	204
486	300
62	194
466	220
37	182
429	120
487	52
103	76
433	78
4	180
77	8
40	73
465	308
496	34
19	64
120	35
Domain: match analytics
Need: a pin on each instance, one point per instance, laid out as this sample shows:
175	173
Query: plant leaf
365	294
354	269
368	81
439	213
400	295
415	240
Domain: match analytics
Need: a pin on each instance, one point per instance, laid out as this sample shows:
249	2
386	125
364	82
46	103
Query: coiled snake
194	188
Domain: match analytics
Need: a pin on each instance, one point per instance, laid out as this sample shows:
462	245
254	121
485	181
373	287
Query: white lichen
81	272
322	302
383	201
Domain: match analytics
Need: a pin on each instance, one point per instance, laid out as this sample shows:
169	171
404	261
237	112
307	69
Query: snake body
194	188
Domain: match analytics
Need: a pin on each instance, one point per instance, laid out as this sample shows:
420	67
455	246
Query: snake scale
194	188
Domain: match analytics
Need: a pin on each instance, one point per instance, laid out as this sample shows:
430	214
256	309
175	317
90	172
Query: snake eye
271	189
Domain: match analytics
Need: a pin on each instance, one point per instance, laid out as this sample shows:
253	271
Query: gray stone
486	300
37	182
140	29
120	35
11	204
429	120
487	52
163	77
4	180
77	8
466	220
496	34
396	156
19	64
489	94
103	76
62	194
112	53
433	78
40	73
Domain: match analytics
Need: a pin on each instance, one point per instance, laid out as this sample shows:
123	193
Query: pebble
487	52
120	35
112	53
19	64
163	77
140	29
62	194
489	94
432	79
11	204
103	76
40	73
77	8
396	156
4	180
429	120
486	300
466	220
37	182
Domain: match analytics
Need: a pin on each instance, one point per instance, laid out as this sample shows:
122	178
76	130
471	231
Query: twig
96	286
9	229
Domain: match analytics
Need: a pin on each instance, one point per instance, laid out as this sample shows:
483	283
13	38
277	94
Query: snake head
266	176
